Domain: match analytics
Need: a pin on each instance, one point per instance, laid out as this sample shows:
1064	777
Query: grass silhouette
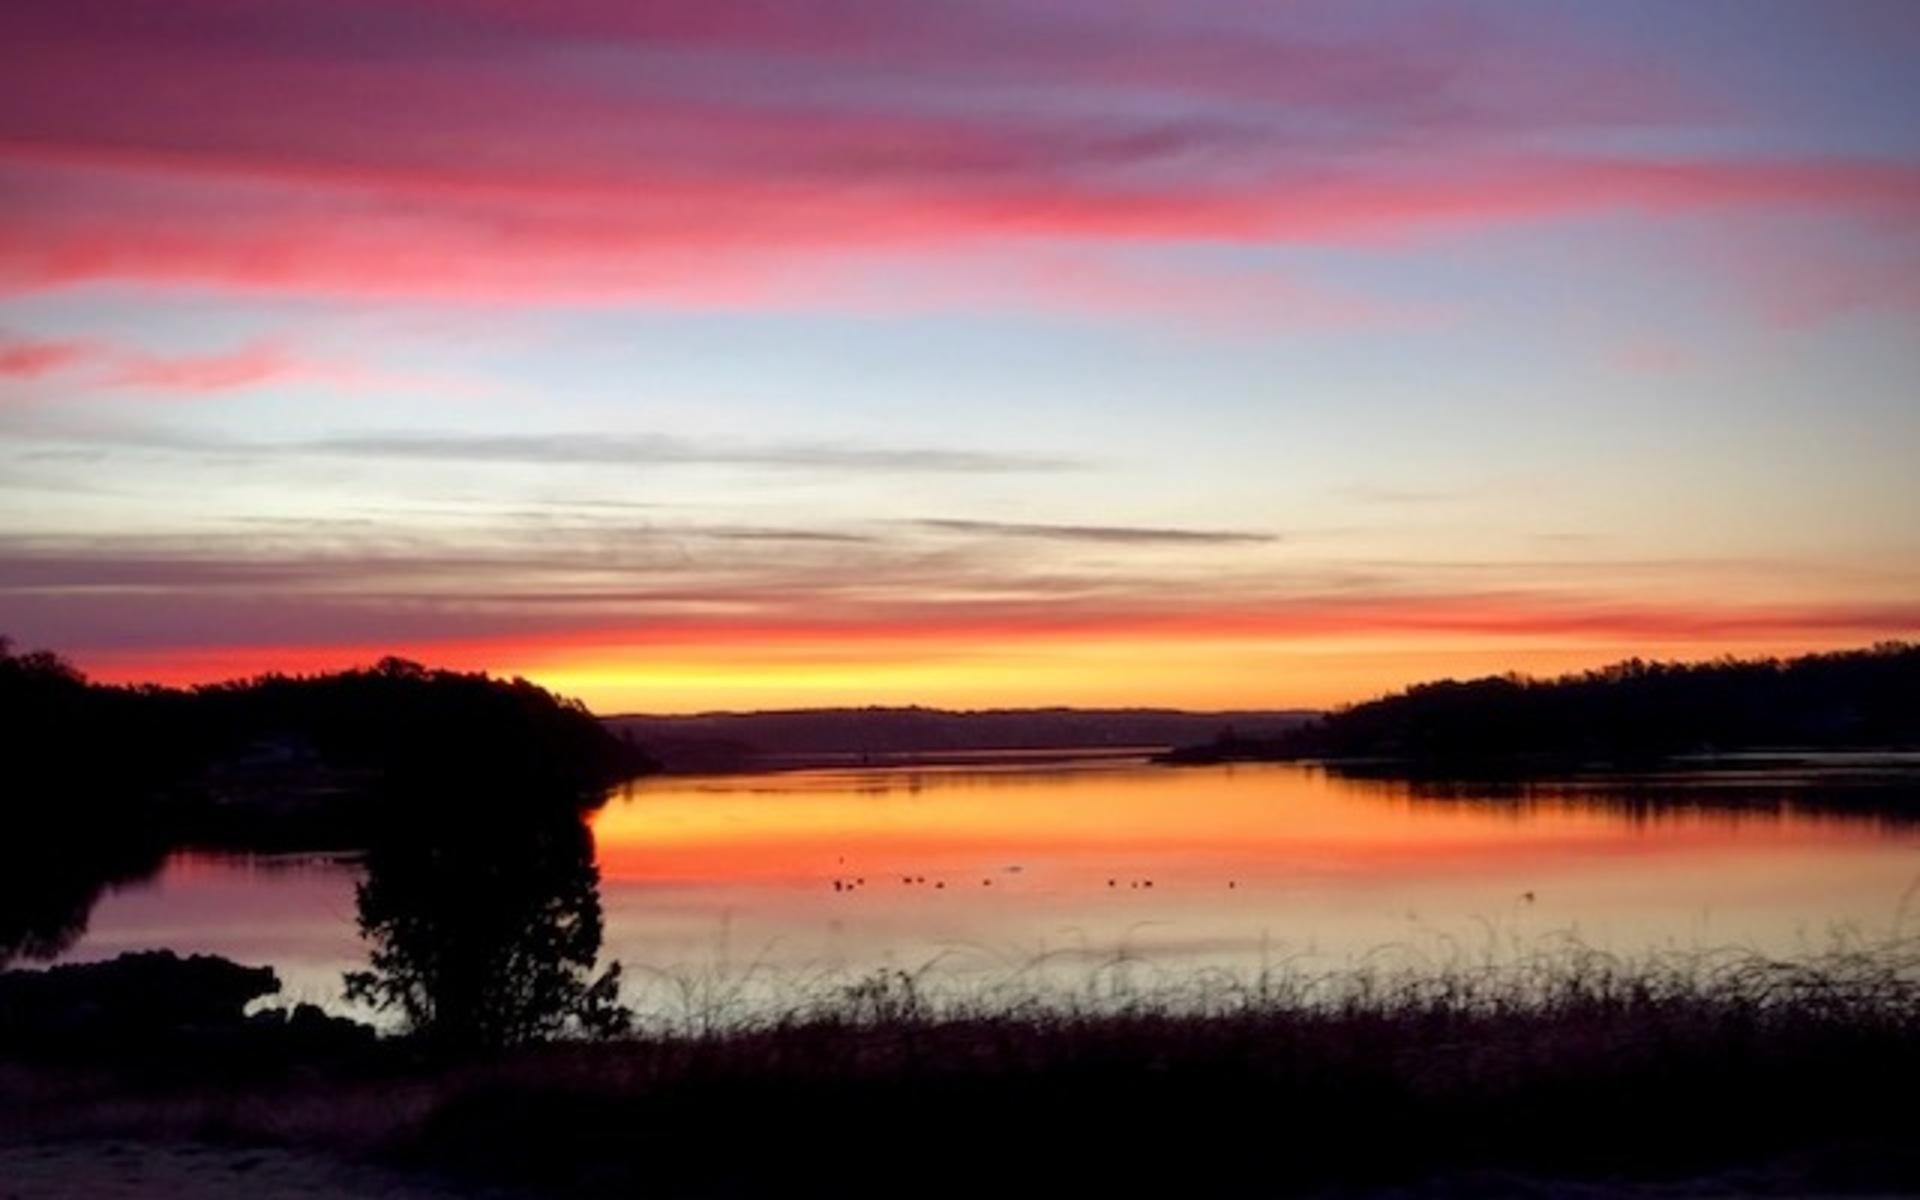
1564	1063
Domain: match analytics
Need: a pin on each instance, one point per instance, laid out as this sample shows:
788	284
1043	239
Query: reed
1730	1070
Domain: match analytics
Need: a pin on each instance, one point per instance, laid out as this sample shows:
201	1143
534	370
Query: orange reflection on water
987	869
870	866
1193	825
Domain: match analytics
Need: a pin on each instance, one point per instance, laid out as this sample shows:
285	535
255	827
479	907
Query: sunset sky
739	353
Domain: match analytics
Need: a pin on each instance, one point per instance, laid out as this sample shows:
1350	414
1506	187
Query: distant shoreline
731	742
984	759
1893	758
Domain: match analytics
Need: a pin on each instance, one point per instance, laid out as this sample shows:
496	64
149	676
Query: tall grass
1749	1071
1850	975
1566	1061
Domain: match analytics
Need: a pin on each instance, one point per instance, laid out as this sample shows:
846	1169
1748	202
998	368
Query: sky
705	354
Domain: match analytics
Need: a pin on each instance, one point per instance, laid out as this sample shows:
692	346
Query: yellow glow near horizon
1184	674
1184	668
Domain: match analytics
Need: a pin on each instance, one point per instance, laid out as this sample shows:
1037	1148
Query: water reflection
483	925
982	871
484	920
1883	792
53	872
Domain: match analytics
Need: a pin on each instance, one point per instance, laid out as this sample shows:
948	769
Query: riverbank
1581	1075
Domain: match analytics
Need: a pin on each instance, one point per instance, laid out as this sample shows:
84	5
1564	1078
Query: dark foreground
1708	1075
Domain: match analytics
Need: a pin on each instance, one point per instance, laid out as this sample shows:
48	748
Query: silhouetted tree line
396	722
1633	711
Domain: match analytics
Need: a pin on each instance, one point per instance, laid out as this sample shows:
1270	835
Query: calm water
757	889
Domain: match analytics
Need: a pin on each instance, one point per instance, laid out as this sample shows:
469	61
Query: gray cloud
347	583
614	449
785	535
1115	534
88	445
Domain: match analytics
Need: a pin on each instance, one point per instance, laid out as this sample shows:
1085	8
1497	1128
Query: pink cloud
31	358
1793	273
741	244
1653	356
1811	288
751	154
1064	280
240	368
106	364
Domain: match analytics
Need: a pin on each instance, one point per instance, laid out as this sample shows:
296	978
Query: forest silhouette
1632	712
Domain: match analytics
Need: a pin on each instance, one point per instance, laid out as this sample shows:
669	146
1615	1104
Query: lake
734	894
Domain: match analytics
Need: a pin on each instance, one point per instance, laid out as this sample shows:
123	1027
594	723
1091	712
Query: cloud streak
1122	535
618	449
608	448
35	358
244	367
103	364
744	589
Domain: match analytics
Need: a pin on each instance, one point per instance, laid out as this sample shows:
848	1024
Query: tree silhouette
485	927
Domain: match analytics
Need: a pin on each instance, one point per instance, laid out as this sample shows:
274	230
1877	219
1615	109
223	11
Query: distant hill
1629	712
744	740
